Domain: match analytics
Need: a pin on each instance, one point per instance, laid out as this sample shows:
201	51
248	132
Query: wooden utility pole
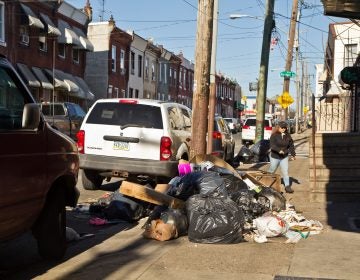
202	76
264	65
289	57
212	100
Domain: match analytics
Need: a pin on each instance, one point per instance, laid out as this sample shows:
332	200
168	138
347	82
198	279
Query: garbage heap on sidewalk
210	202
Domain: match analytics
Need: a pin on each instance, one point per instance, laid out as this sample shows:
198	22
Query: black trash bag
214	219
204	182
233	184
124	208
245	155
276	199
176	217
261	150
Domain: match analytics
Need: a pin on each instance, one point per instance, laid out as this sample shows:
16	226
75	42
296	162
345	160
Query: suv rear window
252	122
126	114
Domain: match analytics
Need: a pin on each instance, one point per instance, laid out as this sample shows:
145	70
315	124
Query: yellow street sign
285	100
244	98
306	109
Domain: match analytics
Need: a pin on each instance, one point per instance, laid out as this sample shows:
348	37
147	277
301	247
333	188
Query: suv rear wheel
91	180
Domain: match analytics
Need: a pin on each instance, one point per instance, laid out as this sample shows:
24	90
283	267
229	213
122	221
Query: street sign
287	74
285	100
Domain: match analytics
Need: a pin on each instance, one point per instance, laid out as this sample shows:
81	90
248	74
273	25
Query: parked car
64	116
234	124
38	169
223	141
133	138
249	127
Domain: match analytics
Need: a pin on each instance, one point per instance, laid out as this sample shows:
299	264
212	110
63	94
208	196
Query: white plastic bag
270	225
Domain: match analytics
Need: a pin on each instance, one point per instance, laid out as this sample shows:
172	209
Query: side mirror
31	116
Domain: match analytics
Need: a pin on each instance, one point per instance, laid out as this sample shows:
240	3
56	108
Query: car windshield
124	114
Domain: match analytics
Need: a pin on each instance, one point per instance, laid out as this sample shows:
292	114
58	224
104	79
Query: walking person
282	147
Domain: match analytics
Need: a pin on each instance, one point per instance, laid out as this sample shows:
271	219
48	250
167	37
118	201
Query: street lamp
236	16
269	24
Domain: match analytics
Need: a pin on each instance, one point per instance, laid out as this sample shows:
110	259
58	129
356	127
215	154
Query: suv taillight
165	148
128	101
80	141
268	128
246	127
216	135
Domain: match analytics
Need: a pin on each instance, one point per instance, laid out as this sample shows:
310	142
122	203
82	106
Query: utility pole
212	101
298	108
264	63
202	76
289	57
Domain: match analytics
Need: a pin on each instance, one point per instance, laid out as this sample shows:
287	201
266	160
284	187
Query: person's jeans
284	166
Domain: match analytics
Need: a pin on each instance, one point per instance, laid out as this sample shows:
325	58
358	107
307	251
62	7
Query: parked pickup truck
38	169
67	116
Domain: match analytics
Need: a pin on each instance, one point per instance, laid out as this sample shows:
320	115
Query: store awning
42	78
334	90
68	36
28	75
85	42
58	81
83	85
33	20
50	26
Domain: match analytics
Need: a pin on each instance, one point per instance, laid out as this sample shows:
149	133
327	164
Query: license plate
123	146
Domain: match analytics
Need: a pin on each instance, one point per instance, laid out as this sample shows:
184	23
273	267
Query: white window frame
2	22
113	58
165	72
43	43
146	67
132	63
153	71
122	59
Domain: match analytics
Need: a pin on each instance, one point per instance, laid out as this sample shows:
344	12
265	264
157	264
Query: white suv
249	127
133	138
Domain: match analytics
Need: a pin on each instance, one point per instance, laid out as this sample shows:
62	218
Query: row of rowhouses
64	56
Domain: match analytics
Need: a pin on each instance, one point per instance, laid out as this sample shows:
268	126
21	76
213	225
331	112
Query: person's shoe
288	189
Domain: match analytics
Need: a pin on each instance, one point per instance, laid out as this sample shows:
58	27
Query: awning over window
58	81
72	85
68	36
42	78
28	75
84	87
33	20
85	42
50	26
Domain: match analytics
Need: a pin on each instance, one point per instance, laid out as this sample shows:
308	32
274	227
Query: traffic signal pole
264	63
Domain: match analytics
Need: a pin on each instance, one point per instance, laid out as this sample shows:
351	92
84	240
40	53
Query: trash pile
210	202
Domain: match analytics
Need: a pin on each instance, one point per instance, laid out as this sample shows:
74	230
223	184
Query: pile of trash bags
220	207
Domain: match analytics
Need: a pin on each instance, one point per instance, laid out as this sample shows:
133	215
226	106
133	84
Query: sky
173	23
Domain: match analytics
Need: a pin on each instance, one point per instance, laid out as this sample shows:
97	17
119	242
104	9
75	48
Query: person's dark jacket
279	142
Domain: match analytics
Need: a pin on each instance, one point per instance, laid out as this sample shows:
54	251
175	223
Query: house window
131	92
61	50
160	74
139	65
132	61
175	77
116	94
122	61
42	43
350	54
113	58
24	34
147	68
165	74
76	56
136	93
152	71
2	22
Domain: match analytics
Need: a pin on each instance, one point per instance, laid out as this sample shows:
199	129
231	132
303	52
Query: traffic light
350	75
